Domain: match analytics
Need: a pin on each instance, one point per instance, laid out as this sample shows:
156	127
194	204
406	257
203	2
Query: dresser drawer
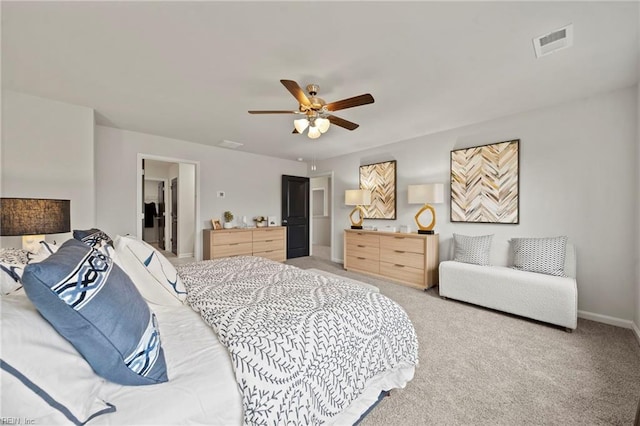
401	257
363	239
277	255
408	244
363	250
268	235
235	249
362	263
402	273
267	245
221	238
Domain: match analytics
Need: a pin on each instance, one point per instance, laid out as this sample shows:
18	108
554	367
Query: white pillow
542	255
13	262
154	276
475	250
41	362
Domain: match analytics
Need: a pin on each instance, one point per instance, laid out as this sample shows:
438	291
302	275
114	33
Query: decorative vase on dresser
410	259
264	242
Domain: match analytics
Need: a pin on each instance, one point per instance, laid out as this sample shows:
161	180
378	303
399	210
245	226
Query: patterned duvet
303	345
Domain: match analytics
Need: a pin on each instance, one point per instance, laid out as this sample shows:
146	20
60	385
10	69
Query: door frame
197	235
331	213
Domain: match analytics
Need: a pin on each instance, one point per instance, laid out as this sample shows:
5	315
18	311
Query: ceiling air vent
230	144
553	41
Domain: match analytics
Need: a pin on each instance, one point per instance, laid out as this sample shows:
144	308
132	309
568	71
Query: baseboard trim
605	319
636	331
340	261
183	255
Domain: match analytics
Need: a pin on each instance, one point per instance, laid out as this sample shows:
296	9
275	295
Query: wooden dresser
410	259
265	242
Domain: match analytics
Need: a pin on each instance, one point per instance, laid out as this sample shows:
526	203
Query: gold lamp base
429	228
356	224
31	243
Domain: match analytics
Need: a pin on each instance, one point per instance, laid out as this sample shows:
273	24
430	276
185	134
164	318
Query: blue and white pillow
93	237
156	278
93	304
12	263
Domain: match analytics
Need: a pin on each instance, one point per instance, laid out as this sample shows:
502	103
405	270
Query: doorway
154	230
321	216
173	186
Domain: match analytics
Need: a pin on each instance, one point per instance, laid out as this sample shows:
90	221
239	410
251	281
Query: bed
245	340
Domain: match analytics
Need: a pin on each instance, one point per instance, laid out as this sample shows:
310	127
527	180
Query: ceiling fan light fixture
322	124
314	132
300	124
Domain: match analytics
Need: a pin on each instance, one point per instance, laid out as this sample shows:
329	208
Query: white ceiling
192	70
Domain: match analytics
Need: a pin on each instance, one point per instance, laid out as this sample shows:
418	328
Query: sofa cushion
472	249
542	297
542	255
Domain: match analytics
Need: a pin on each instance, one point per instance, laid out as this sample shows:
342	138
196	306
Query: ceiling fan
316	111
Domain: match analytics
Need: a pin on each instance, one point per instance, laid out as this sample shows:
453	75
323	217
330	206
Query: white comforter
303	346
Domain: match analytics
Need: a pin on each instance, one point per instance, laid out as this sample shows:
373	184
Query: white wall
47	152
578	166
252	183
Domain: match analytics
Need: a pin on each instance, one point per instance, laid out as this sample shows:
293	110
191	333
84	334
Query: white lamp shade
429	193
322	124
300	124
314	132
357	197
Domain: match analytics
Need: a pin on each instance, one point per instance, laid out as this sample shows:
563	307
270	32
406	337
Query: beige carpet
481	367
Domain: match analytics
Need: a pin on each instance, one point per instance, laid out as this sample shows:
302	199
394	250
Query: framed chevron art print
380	179
485	183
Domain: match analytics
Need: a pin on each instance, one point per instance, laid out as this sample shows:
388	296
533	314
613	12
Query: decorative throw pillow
471	249
542	255
12	263
155	277
93	304
53	371
93	237
46	250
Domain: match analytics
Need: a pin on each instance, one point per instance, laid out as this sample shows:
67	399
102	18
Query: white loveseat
534	295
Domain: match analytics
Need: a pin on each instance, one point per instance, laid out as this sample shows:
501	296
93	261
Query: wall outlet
220	194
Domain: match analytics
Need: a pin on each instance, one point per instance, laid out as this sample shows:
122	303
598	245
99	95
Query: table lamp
31	218
425	194
357	198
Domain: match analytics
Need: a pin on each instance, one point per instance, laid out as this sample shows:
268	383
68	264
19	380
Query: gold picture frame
216	224
380	179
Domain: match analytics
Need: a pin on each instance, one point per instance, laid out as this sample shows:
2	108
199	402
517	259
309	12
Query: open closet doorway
169	203
321	188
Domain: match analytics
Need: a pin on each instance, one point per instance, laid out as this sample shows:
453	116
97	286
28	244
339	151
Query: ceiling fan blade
342	122
350	102
274	112
296	91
